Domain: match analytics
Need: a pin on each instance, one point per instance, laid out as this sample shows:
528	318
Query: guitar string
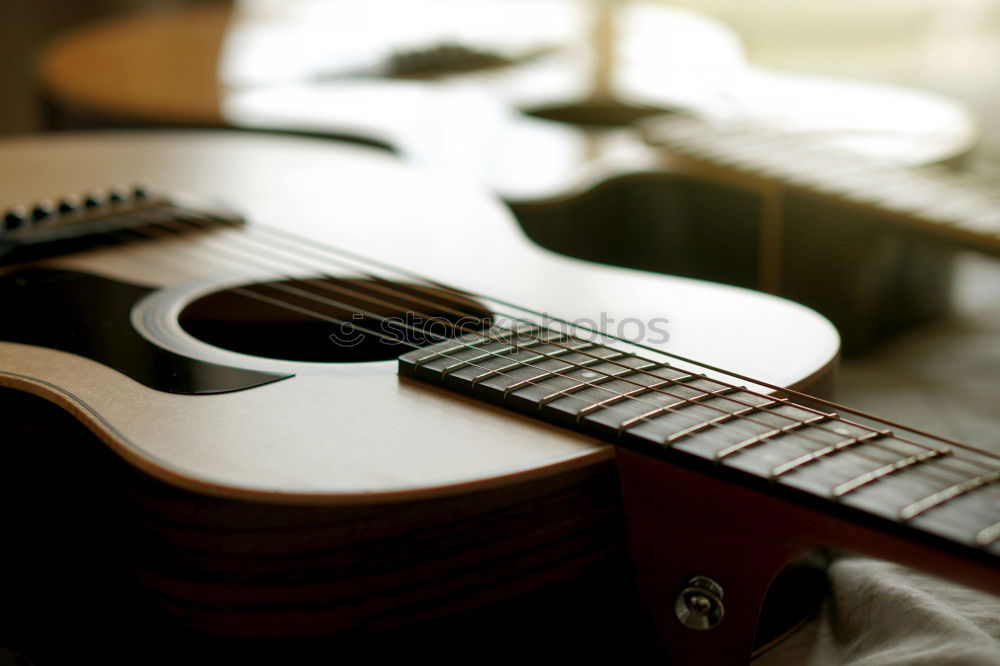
607	390
685	402
675	409
922	493
726	414
659	352
792	420
331	249
337	320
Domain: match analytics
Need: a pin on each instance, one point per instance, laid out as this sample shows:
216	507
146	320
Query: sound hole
383	320
596	113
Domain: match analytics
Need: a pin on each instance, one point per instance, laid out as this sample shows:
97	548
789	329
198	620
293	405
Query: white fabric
883	614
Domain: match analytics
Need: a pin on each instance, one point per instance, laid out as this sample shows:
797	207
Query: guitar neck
962	209
918	487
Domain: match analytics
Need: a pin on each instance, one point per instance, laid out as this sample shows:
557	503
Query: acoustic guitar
328	420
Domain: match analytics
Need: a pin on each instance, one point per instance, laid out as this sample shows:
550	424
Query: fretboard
960	208
658	409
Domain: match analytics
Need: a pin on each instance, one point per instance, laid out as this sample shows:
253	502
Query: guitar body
300	500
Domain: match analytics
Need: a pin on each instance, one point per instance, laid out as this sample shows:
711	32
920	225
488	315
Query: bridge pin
41	211
69	203
14	218
94	199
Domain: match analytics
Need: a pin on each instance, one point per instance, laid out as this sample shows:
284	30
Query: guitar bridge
75	223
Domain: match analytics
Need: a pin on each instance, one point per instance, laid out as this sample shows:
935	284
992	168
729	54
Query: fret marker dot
588	374
842	431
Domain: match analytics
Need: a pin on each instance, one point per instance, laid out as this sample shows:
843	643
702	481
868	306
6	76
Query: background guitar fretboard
962	209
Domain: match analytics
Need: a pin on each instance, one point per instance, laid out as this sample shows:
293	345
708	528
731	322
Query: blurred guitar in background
540	100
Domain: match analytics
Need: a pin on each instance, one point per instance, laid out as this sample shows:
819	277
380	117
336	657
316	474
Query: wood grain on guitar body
280	476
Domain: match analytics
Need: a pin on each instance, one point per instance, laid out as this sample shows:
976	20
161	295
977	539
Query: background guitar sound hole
396	313
596	113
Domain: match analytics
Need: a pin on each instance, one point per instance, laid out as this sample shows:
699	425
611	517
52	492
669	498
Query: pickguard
89	315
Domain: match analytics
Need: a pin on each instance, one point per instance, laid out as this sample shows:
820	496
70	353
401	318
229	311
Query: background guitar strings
660	409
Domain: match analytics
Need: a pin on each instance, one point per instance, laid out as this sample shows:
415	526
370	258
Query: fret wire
916	508
736	389
621	396
343	257
485	357
465	363
769	397
627	423
784	468
669	408
717	420
746	443
582	385
517	364
514	347
459	348
795	423
548	374
864	479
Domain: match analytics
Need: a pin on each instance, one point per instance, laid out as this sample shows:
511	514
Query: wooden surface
365	201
